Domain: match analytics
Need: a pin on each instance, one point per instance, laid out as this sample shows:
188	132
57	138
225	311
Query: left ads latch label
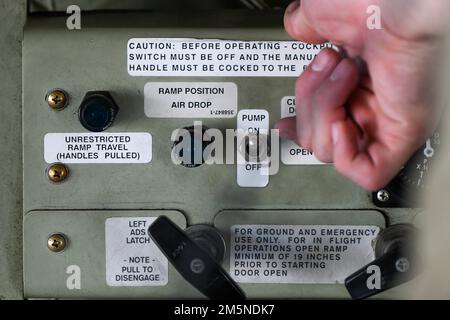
132	258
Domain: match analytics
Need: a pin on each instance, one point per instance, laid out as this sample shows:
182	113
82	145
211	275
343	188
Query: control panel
151	169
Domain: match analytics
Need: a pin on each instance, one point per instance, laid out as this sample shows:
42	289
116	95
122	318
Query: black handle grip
195	265
396	264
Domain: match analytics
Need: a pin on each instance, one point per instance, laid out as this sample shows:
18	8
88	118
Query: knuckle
371	182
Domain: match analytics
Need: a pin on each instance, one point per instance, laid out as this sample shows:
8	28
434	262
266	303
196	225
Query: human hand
369	110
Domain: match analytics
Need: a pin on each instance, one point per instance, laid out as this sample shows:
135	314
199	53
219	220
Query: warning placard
132	258
218	58
98	147
190	100
307	254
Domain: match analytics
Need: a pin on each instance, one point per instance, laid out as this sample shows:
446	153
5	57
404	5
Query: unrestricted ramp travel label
178	57
306	254
98	147
190	99
132	258
291	153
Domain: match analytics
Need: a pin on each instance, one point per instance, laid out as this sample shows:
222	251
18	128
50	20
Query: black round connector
97	111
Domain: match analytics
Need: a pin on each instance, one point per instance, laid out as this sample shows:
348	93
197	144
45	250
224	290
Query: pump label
308	254
98	147
190	100
252	173
177	57
291	153
132	258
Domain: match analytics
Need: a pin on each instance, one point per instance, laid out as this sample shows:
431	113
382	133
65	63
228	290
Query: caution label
218	58
98	147
299	254
132	259
291	153
190	100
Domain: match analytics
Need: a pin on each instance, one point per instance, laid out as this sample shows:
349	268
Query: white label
299	254
164	57
98	147
132	258
291	153
190	100
252	173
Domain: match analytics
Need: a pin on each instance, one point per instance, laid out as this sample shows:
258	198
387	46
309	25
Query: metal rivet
57	172
57	99
56	242
383	196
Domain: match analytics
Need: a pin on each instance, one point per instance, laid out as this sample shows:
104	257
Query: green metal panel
94	58
45	271
226	219
100	63
12	19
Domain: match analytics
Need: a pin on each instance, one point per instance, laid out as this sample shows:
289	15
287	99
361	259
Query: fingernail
320	62
334	133
339	72
293	6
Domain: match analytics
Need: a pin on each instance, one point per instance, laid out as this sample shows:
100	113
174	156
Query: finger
298	25
328	106
373	167
307	84
287	128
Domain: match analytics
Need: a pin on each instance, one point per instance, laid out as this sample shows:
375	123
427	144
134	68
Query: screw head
57	172
402	265
57	99
56	242
383	196
197	266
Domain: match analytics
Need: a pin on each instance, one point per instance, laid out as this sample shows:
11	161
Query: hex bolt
57	99
56	242
57	172
383	196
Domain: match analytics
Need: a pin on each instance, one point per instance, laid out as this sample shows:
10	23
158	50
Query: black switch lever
194	264
395	263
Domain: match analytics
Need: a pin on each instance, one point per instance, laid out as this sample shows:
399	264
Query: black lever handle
395	265
194	264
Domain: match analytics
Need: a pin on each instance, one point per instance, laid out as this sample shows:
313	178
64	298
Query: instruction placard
178	57
190	99
291	153
132	258
98	147
307	254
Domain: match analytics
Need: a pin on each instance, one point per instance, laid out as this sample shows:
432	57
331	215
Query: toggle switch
255	147
190	254
97	111
396	263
